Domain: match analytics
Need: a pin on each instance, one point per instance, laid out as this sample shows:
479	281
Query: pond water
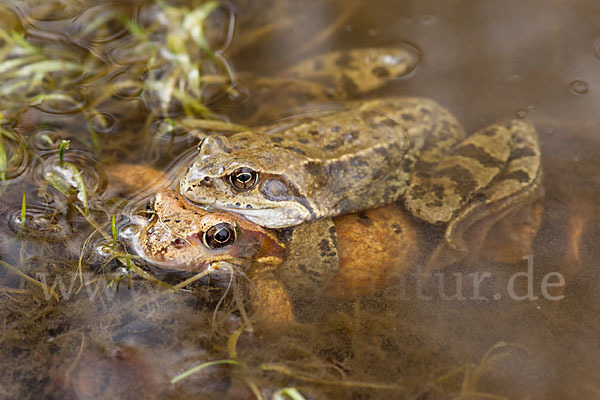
103	75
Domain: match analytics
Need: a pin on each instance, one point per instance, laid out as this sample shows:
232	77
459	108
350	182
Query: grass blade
114	231
23	215
292	393
200	367
30	279
64	145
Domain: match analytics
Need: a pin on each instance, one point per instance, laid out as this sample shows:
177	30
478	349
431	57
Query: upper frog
343	160
357	155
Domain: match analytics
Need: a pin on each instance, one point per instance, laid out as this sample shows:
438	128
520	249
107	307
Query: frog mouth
249	211
272	217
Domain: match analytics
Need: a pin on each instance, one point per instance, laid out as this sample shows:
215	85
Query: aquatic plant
67	178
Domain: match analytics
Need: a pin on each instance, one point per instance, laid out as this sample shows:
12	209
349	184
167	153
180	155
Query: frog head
250	175
184	237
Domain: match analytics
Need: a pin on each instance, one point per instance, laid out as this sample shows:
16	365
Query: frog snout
211	184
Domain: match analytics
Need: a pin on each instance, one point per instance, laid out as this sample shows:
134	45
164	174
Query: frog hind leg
333	76
484	178
348	73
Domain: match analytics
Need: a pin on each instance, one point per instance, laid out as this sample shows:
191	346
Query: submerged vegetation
164	58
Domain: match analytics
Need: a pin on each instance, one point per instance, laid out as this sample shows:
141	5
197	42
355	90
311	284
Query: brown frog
317	257
180	236
359	155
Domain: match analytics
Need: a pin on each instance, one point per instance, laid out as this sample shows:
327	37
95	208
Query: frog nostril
206	181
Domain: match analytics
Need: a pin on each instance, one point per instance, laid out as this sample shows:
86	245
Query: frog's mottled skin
364	154
486	176
337	75
359	157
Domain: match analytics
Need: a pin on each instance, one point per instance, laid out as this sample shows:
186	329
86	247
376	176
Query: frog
314	259
179	235
322	260
356	155
183	237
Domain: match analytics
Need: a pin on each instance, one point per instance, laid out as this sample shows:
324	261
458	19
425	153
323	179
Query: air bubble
126	86
93	175
111	28
521	114
597	47
40	223
578	87
102	123
428	19
16	155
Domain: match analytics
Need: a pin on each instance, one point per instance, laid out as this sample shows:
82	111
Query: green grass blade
114	231
23	214
80	186
197	368
292	393
64	145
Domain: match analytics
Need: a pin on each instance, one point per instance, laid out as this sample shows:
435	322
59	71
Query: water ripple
93	175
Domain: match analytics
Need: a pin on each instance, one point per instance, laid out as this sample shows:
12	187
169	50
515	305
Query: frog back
362	155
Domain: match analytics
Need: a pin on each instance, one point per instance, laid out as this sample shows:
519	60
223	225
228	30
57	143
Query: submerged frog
365	154
318	257
182	237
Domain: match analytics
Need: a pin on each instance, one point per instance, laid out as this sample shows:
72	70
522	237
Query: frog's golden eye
219	236
243	178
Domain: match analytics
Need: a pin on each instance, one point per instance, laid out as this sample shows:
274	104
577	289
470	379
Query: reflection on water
490	331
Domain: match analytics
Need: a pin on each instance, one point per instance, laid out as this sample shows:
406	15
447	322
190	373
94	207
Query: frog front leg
487	176
271	299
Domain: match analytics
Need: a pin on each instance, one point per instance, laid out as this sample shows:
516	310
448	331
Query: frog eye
219	236
243	178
